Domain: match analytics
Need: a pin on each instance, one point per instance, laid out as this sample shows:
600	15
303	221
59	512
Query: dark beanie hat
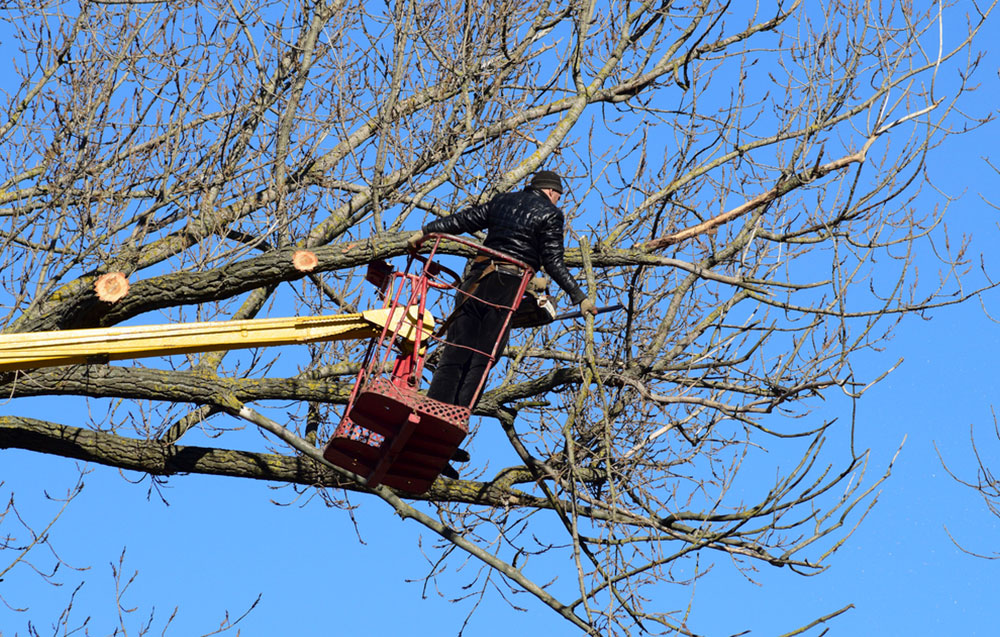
546	179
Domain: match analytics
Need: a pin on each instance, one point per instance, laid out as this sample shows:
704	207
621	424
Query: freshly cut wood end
111	287
304	260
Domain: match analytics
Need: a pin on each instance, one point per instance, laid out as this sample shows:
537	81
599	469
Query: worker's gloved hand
413	242
587	305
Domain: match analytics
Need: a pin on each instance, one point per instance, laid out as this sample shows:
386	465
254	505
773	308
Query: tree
984	483
742	181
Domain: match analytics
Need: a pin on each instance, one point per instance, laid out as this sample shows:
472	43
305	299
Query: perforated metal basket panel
378	420
412	399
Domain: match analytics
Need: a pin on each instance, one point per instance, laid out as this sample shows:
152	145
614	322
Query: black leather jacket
525	225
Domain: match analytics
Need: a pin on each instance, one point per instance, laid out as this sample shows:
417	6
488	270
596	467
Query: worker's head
549	183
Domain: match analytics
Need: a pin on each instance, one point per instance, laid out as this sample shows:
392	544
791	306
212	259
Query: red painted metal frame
391	433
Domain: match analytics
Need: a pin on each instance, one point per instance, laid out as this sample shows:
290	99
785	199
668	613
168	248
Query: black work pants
474	326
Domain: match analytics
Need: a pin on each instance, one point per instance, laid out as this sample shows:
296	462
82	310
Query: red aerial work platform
391	433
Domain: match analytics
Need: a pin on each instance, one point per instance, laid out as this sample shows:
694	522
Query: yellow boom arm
99	345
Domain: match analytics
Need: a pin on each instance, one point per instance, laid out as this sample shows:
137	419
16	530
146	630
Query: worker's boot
459	455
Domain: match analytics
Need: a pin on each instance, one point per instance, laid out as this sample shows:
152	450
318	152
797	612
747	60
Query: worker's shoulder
526	201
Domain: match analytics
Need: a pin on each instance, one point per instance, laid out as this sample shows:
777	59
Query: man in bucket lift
527	225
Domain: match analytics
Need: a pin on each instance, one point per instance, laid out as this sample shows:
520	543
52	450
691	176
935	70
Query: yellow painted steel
100	345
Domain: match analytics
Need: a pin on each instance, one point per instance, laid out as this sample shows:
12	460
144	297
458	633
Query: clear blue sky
220	542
